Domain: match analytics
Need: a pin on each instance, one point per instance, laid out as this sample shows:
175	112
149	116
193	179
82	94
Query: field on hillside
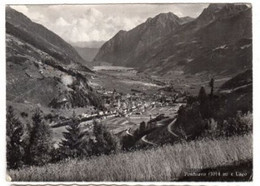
167	163
120	124
114	124
192	84
123	79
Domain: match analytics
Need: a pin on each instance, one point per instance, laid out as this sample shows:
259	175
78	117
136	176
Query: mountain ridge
41	68
43	34
178	47
141	36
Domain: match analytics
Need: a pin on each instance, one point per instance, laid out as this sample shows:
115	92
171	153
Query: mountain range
218	41
41	66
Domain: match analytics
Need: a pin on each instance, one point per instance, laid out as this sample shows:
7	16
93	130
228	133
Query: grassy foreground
165	163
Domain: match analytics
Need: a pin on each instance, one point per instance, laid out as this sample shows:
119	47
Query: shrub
24	114
240	124
128	142
212	129
190	120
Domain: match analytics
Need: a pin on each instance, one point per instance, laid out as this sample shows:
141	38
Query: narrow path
159	124
127	132
235	89
146	141
125	122
170	126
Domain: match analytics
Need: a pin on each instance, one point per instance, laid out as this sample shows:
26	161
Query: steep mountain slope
218	41
125	46
45	40
41	68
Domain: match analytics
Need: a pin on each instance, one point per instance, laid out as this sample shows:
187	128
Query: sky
100	22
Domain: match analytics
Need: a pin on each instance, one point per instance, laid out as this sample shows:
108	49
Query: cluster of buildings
134	103
125	104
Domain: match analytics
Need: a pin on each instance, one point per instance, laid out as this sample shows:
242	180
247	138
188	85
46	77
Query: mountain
41	68
124	47
87	53
218	41
45	40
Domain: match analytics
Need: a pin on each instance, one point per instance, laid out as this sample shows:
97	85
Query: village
136	104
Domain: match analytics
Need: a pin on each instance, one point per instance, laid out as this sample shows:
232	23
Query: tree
205	109
73	143
127	142
142	127
39	144
190	122
104	142
14	132
211	84
202	95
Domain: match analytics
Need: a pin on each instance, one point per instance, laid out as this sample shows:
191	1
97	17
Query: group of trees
27	144
78	143
32	144
194	119
214	115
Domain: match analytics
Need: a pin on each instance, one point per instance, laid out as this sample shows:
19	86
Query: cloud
77	23
61	22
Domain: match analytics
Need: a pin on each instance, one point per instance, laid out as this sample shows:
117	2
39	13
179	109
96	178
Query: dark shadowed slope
40	37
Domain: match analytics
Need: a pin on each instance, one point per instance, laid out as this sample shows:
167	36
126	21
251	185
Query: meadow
166	163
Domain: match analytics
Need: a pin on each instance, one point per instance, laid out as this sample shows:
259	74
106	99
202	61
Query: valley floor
168	163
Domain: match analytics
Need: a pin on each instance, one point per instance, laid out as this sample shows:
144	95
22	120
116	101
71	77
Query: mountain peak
132	42
166	16
121	32
163	17
169	14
